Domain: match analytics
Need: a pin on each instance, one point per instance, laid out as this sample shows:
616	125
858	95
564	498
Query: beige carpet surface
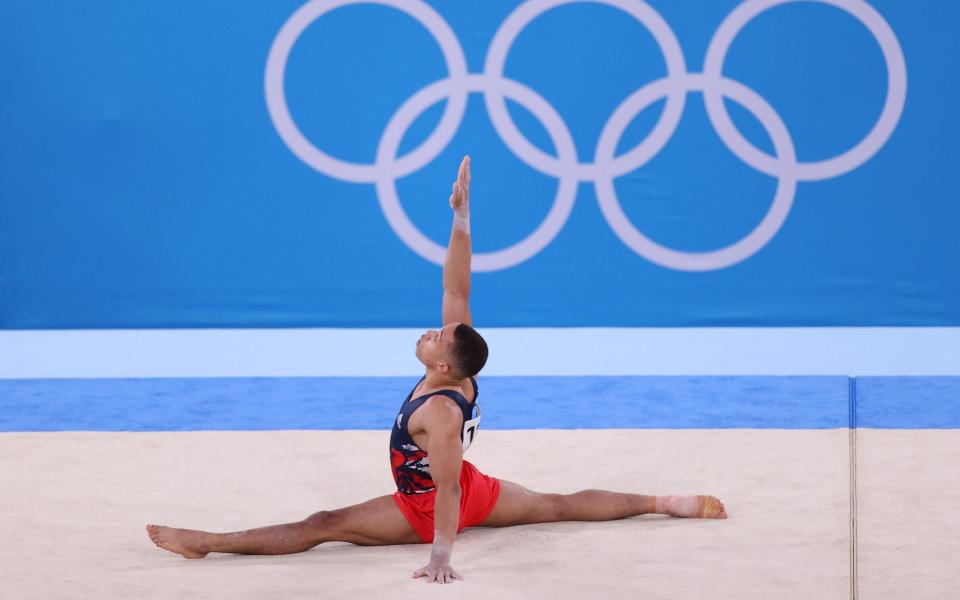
909	524
73	508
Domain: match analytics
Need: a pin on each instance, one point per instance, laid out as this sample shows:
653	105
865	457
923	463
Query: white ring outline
821	169
658	137
359	172
713	259
675	86
482	261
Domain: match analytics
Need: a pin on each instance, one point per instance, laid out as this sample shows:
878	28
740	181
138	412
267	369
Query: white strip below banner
513	351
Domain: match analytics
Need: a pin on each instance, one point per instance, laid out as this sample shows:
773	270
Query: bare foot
693	507
184	542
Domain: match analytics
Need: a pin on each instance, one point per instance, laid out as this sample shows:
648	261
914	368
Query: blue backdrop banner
287	163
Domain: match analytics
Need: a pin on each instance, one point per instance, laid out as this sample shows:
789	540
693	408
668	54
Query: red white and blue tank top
410	464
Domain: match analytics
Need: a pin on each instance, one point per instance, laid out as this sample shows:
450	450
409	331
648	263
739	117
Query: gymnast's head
455	351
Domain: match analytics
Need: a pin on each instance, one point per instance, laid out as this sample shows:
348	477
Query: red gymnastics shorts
478	496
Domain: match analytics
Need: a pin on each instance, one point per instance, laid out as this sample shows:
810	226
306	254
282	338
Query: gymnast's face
435	347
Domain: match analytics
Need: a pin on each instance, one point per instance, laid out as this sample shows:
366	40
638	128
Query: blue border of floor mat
908	402
371	403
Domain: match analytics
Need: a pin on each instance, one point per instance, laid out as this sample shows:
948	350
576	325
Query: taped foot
691	507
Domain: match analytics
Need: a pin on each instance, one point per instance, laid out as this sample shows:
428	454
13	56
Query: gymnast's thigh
519	506
377	522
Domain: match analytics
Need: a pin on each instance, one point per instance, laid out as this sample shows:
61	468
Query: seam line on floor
854	574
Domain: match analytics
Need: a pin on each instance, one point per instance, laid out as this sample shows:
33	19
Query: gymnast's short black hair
469	350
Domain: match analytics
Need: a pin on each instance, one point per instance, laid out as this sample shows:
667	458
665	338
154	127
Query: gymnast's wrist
461	220
442	549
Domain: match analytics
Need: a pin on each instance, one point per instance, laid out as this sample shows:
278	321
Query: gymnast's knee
557	507
322	524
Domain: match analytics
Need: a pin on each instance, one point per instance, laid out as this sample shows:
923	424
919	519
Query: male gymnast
438	493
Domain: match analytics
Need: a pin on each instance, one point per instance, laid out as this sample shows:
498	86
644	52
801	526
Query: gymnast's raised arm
456	268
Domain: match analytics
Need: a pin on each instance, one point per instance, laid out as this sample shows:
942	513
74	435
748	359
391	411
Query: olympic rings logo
567	166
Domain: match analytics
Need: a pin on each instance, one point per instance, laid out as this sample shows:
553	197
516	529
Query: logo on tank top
470	430
399	418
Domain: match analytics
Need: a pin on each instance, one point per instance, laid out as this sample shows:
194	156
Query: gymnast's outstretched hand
460	196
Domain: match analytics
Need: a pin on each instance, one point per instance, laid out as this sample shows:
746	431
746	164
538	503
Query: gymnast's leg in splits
380	523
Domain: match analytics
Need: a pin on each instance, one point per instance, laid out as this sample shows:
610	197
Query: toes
721	509
711	508
154	532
